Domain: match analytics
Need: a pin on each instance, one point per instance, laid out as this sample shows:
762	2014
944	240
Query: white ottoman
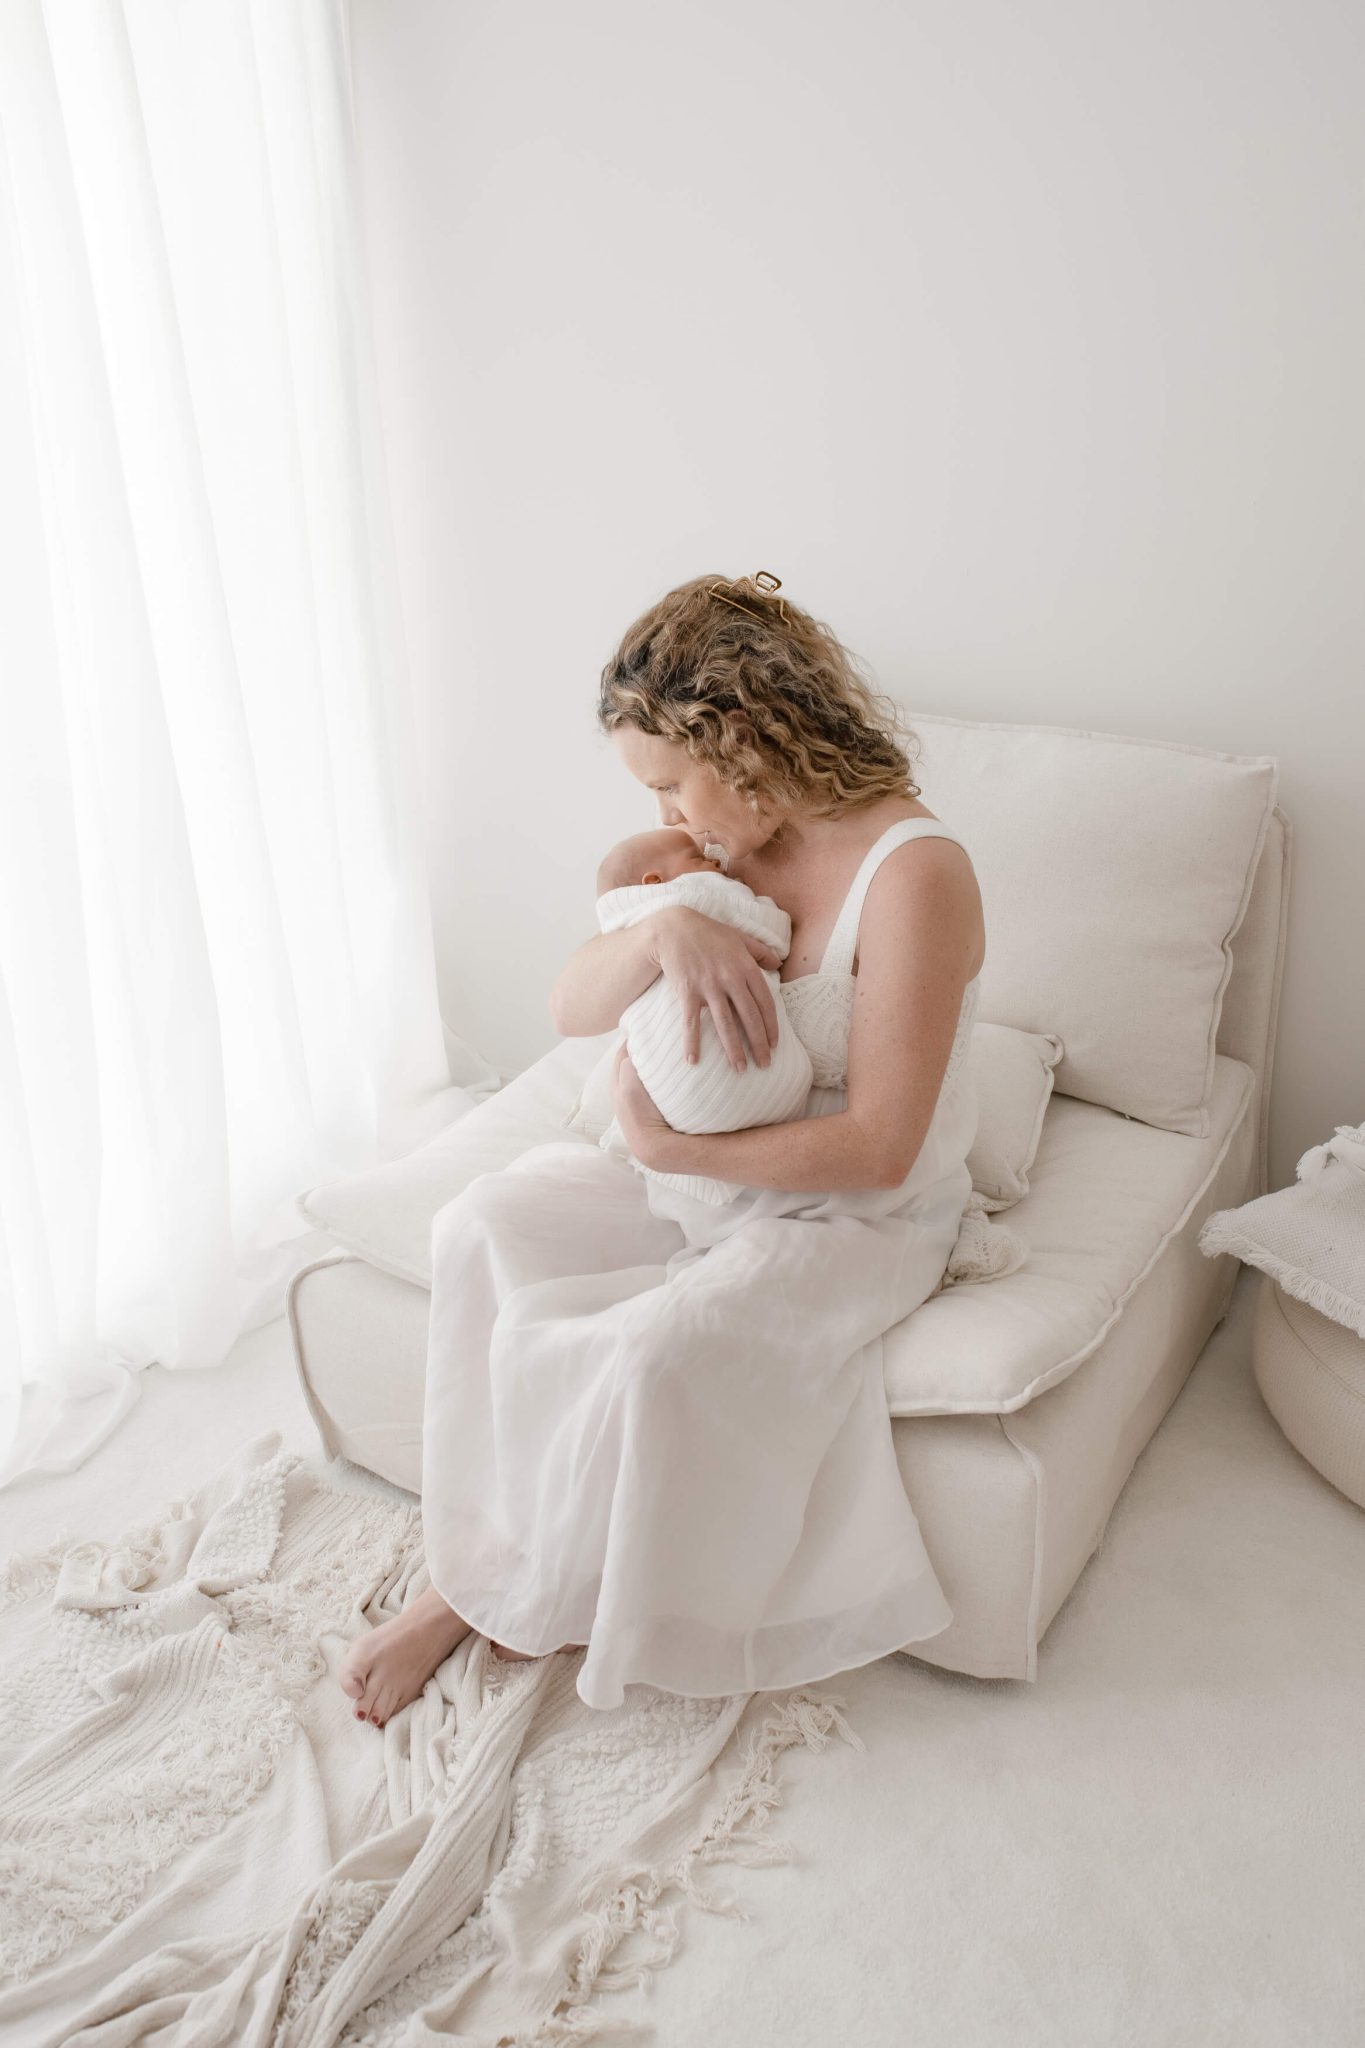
1311	1373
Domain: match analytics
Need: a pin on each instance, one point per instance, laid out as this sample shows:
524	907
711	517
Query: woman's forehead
647	754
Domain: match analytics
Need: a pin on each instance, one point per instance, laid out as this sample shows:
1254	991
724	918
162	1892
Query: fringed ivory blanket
199	1844
1310	1236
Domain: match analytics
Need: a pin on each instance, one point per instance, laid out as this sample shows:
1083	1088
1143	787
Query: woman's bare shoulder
826	863
926	891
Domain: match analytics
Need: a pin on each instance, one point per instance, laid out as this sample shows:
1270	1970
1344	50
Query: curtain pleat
216	976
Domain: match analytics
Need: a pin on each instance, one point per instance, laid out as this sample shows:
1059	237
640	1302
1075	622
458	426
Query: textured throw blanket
200	1845
1310	1237
709	1096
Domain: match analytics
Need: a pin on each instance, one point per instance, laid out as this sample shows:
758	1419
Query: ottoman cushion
1311	1373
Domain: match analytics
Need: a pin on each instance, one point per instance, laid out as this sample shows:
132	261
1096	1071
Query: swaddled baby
639	876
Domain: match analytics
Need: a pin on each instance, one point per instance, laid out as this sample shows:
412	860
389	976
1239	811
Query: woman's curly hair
773	702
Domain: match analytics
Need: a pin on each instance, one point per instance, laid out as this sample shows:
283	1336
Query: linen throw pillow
1310	1236
1115	873
1013	1074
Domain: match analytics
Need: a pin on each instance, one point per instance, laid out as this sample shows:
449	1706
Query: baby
639	876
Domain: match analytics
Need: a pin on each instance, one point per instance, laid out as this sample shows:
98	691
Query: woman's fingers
767	1006
727	1031
722	1020
691	1003
766	955
738	1018
743	1012
755	1026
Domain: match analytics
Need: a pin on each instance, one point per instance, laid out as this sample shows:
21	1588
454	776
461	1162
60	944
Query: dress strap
843	940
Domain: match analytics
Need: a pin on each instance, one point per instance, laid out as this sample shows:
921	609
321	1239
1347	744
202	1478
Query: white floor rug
200	1845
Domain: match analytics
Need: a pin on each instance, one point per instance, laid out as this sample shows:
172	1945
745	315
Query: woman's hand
717	967
643	1126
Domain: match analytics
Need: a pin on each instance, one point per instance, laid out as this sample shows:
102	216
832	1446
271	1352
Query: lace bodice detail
819	1006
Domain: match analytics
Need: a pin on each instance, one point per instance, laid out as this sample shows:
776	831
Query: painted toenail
360	1713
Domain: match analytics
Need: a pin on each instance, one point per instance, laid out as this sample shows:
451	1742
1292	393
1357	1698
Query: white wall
1023	343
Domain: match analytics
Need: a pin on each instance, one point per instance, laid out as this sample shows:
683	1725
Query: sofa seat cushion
1106	1195
386	1212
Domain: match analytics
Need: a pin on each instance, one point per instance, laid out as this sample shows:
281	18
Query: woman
655	1427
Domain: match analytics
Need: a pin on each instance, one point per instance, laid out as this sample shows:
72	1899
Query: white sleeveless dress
665	1435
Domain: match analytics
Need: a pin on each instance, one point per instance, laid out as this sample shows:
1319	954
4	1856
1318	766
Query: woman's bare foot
387	1668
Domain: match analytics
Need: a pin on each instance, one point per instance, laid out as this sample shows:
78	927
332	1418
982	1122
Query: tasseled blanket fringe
985	1250
735	1833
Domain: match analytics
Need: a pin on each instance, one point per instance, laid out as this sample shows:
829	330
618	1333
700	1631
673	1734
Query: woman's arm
820	1153
712	965
918	935
601	978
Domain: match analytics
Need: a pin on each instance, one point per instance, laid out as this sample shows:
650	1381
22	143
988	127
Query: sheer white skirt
678	1452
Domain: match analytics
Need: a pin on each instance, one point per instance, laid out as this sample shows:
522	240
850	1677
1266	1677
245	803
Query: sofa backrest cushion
1115	873
1251	1001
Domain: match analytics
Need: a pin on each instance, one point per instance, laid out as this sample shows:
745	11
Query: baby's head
658	856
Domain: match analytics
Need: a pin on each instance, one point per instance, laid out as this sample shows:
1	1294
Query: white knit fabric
819	1007
200	1845
710	1095
815	1017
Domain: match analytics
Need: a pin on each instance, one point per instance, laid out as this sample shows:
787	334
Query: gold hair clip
772	583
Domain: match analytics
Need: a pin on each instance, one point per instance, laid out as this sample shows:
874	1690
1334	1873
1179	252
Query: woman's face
692	795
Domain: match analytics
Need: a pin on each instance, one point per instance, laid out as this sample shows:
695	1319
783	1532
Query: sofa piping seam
1038	1478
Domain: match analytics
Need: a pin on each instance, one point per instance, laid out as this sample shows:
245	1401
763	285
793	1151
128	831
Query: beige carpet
1161	1843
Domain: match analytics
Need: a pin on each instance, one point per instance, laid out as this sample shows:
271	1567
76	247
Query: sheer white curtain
216	975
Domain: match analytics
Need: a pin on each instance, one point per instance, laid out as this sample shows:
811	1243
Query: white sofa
1136	896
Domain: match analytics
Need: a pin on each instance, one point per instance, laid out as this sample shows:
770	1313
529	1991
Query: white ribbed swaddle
709	1096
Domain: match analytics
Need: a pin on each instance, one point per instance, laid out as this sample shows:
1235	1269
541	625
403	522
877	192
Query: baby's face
668	853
